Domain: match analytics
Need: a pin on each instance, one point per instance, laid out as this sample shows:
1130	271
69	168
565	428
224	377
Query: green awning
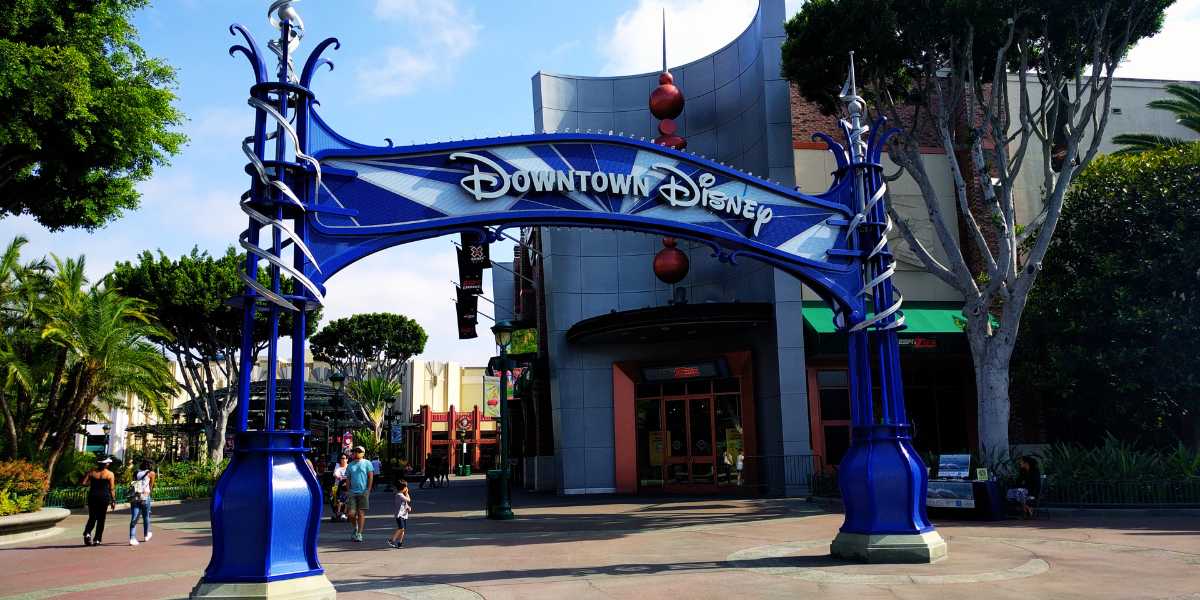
920	317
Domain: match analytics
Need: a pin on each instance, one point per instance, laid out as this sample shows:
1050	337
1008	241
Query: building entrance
690	435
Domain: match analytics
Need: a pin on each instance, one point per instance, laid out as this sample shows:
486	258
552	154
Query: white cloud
439	35
1171	53
695	28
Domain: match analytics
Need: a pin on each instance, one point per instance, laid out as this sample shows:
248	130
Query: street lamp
499	496
338	381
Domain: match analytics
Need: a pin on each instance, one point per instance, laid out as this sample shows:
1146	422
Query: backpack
139	489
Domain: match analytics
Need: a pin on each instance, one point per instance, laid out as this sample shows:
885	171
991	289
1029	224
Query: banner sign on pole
491	396
475	251
467	311
470	275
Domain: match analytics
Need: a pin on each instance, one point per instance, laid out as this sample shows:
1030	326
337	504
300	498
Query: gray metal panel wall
737	112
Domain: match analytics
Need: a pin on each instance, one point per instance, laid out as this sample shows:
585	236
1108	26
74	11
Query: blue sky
413	71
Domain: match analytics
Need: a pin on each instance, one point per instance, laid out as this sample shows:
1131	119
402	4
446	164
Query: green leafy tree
1112	332
1184	104
1000	88
369	345
203	332
84	113
373	395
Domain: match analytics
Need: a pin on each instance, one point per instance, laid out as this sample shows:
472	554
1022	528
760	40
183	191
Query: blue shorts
401	523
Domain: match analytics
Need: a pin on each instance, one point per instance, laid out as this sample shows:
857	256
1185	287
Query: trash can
463	470
497	495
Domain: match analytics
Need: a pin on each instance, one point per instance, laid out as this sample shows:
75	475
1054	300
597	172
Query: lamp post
338	381
499	496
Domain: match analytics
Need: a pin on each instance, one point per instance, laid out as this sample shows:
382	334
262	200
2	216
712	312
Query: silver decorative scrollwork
856	130
279	14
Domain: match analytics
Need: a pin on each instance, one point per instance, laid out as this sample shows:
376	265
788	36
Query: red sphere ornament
670	264
668	138
666	101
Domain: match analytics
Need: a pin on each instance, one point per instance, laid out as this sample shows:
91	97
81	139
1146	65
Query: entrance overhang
671	323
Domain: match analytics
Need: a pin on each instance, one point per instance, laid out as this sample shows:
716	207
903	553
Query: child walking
402	505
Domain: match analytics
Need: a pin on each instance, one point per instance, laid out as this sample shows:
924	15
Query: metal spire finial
664	41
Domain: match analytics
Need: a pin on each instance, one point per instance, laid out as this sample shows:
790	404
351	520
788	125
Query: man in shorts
362	479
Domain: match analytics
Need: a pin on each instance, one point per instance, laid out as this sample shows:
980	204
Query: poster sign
953	466
950	494
491	396
397	435
464	422
658	447
347	440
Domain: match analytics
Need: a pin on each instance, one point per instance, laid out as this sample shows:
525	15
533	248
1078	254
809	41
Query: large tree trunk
214	430
991	392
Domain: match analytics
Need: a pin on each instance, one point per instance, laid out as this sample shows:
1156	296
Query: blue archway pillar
882	479
266	509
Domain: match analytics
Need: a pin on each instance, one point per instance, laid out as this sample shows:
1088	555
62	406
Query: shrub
189	473
22	484
1117	460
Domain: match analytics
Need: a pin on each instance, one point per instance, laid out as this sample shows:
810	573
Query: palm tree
373	396
102	354
1185	104
20	288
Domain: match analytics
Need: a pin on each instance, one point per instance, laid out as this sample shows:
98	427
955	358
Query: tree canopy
369	344
1005	92
1112	332
85	114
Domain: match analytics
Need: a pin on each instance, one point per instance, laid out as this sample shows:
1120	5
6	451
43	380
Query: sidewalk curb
124	506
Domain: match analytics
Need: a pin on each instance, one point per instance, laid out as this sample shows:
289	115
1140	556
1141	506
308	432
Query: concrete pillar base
315	587
905	548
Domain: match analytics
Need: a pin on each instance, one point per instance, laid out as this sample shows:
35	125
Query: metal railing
782	474
77	497
1150	493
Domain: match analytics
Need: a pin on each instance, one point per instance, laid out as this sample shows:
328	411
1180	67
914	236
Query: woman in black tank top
101	496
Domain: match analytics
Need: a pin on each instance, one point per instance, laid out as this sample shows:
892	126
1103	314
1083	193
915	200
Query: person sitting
1028	487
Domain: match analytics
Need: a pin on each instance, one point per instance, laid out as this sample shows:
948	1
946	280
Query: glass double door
691	455
689	435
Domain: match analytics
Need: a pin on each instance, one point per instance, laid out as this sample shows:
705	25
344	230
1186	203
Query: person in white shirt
402	507
339	497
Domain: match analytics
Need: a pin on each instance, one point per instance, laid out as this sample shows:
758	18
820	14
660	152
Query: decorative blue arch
326	201
371	198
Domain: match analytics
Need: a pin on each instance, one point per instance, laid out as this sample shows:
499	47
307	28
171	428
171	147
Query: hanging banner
475	251
466	309
470	275
491	396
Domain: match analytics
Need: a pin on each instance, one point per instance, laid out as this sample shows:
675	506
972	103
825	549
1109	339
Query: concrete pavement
612	546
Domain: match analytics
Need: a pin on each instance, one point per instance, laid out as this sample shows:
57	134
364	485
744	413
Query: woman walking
141	489
102	494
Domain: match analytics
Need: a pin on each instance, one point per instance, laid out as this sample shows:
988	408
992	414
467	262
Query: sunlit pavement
605	547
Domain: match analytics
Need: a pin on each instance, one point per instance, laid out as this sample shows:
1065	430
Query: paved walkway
583	548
